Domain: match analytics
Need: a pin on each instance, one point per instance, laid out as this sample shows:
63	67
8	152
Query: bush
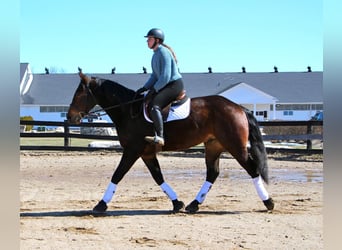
291	130
27	118
284	130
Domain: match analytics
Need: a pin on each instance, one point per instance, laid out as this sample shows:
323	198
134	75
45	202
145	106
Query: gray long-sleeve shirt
164	69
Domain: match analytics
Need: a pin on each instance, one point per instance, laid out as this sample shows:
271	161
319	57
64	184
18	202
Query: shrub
291	130
27	118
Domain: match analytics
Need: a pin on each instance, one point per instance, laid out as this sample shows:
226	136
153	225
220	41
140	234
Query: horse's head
83	100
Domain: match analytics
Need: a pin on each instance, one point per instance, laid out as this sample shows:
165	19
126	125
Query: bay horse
220	124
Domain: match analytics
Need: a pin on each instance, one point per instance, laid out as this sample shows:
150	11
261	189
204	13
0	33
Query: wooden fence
67	134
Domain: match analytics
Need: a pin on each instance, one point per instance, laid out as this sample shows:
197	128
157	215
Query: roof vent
309	69
144	70
210	70
47	71
275	69
243	69
113	70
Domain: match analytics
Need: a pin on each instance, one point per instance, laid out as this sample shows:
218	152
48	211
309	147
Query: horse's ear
83	77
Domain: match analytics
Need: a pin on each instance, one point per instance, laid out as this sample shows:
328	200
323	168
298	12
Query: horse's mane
123	93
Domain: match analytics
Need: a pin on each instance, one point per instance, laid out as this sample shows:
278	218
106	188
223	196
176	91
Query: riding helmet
156	33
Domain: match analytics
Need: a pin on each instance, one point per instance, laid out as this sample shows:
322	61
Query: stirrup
155	139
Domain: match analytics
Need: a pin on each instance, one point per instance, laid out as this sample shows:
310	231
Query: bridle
104	110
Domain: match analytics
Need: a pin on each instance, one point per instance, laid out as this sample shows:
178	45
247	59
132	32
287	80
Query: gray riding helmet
156	33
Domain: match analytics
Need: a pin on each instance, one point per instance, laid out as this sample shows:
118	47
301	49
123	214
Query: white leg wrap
259	186
203	192
168	191
107	197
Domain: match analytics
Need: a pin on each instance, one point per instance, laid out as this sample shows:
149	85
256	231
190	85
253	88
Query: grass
76	142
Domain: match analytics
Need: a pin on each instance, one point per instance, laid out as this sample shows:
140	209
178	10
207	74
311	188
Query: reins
97	112
110	107
115	106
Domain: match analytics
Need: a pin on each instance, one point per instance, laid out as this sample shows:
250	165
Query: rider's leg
164	97
158	126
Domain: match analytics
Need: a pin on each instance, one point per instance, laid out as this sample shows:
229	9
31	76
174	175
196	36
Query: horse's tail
257	149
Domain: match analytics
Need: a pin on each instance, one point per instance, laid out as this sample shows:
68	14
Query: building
270	95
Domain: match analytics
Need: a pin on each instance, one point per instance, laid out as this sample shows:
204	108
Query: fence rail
68	133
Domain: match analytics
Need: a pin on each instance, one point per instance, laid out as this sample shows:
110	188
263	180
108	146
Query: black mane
121	92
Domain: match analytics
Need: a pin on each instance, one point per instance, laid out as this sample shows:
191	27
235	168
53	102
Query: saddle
181	99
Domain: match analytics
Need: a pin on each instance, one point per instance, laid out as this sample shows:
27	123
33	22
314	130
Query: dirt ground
59	189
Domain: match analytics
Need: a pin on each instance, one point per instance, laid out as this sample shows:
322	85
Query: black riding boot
158	126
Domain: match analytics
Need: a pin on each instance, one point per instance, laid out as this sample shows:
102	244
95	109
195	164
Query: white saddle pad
177	112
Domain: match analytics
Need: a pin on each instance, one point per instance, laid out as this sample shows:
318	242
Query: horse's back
216	102
219	113
212	118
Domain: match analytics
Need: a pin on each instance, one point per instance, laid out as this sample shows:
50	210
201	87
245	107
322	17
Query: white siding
34	111
297	115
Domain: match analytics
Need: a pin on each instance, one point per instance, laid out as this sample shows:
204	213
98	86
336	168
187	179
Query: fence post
66	134
309	132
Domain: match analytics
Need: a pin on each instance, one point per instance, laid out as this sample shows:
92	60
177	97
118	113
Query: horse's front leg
154	168
213	151
127	160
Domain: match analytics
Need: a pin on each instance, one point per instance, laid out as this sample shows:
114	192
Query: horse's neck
118	112
115	89
115	113
116	103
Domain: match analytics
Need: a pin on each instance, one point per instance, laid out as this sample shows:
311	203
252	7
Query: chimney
144	70
309	69
113	70
210	70
243	69
275	69
47	71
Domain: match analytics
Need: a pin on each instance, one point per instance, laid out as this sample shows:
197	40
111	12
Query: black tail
257	150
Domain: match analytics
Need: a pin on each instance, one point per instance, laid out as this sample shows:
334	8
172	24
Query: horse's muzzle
75	119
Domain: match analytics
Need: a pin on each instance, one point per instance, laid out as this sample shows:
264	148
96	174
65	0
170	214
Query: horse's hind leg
154	168
250	165
213	150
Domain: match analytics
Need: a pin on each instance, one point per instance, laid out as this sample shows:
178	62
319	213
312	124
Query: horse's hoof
101	207
192	207
177	205
269	204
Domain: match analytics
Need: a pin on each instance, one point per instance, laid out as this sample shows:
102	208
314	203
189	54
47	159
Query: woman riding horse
165	83
220	124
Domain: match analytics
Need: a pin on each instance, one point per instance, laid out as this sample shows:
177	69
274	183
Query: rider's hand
141	90
151	94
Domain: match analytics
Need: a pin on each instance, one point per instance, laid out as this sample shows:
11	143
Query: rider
165	83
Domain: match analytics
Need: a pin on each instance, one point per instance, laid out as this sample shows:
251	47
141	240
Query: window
298	107
55	109
287	112
43	109
317	106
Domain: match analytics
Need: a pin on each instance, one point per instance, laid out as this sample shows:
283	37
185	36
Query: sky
224	35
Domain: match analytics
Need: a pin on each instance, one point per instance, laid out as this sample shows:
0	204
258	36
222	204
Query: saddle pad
177	112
